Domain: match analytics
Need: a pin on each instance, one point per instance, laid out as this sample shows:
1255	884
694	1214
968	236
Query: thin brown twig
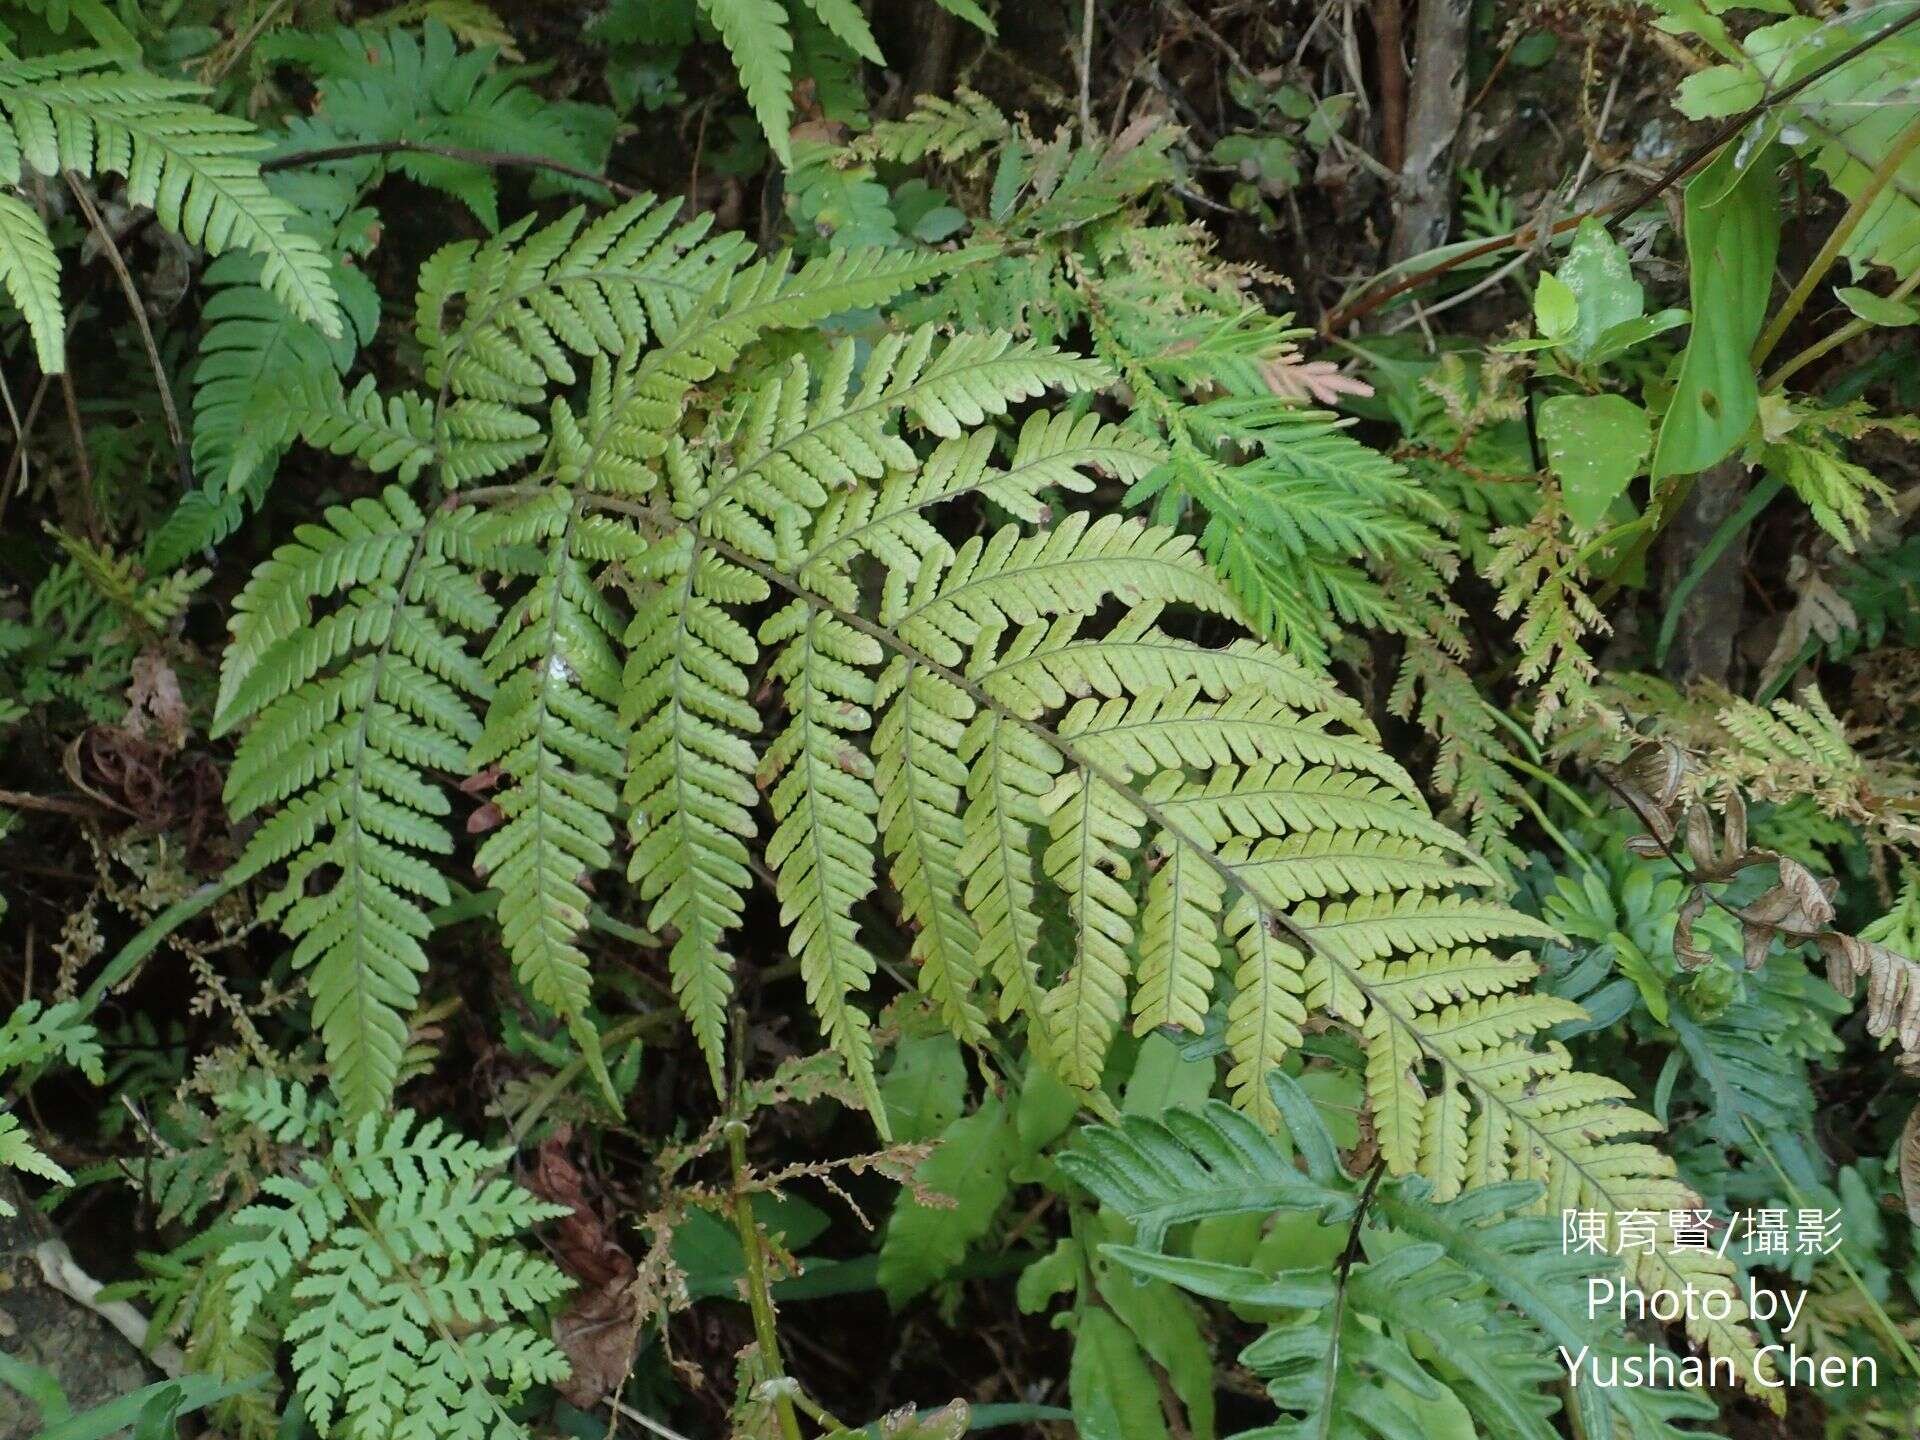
52	805
80	454
183	457
1390	51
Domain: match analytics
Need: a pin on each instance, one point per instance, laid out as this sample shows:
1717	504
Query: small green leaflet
1720	91
1876	309
1556	309
1595	444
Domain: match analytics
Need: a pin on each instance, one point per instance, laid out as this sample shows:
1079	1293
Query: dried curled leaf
1910	1164
1893	984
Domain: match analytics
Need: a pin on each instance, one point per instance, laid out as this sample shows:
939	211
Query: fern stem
1902	146
759	1294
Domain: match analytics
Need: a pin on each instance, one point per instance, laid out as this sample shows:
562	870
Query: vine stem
1904	144
759	1292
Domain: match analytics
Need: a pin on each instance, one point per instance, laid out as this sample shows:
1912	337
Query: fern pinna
704	502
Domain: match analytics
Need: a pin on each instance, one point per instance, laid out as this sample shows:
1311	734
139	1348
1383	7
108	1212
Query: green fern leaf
30	271
756	34
192	166
348	709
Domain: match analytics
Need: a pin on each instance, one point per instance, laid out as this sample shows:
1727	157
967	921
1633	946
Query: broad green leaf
1045	1109
1877	309
1163	1321
1556	309
1163	1081
1600	276
924	1243
926	1088
1113	1392
1733	232
1596	444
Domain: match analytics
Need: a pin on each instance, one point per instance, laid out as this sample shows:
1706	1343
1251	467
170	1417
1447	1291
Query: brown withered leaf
599	1327
597	1333
1690	955
155	707
1797	908
1893	984
1910	1164
583	1246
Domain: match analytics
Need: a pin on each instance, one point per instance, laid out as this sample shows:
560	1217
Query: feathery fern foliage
196	168
1018	714
1450	1268
378	1257
32	1035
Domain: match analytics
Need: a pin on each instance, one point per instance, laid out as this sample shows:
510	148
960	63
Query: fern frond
757	35
553	729
823	800
254	353
192	166
30	271
350	708
1192	1165
377	1258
